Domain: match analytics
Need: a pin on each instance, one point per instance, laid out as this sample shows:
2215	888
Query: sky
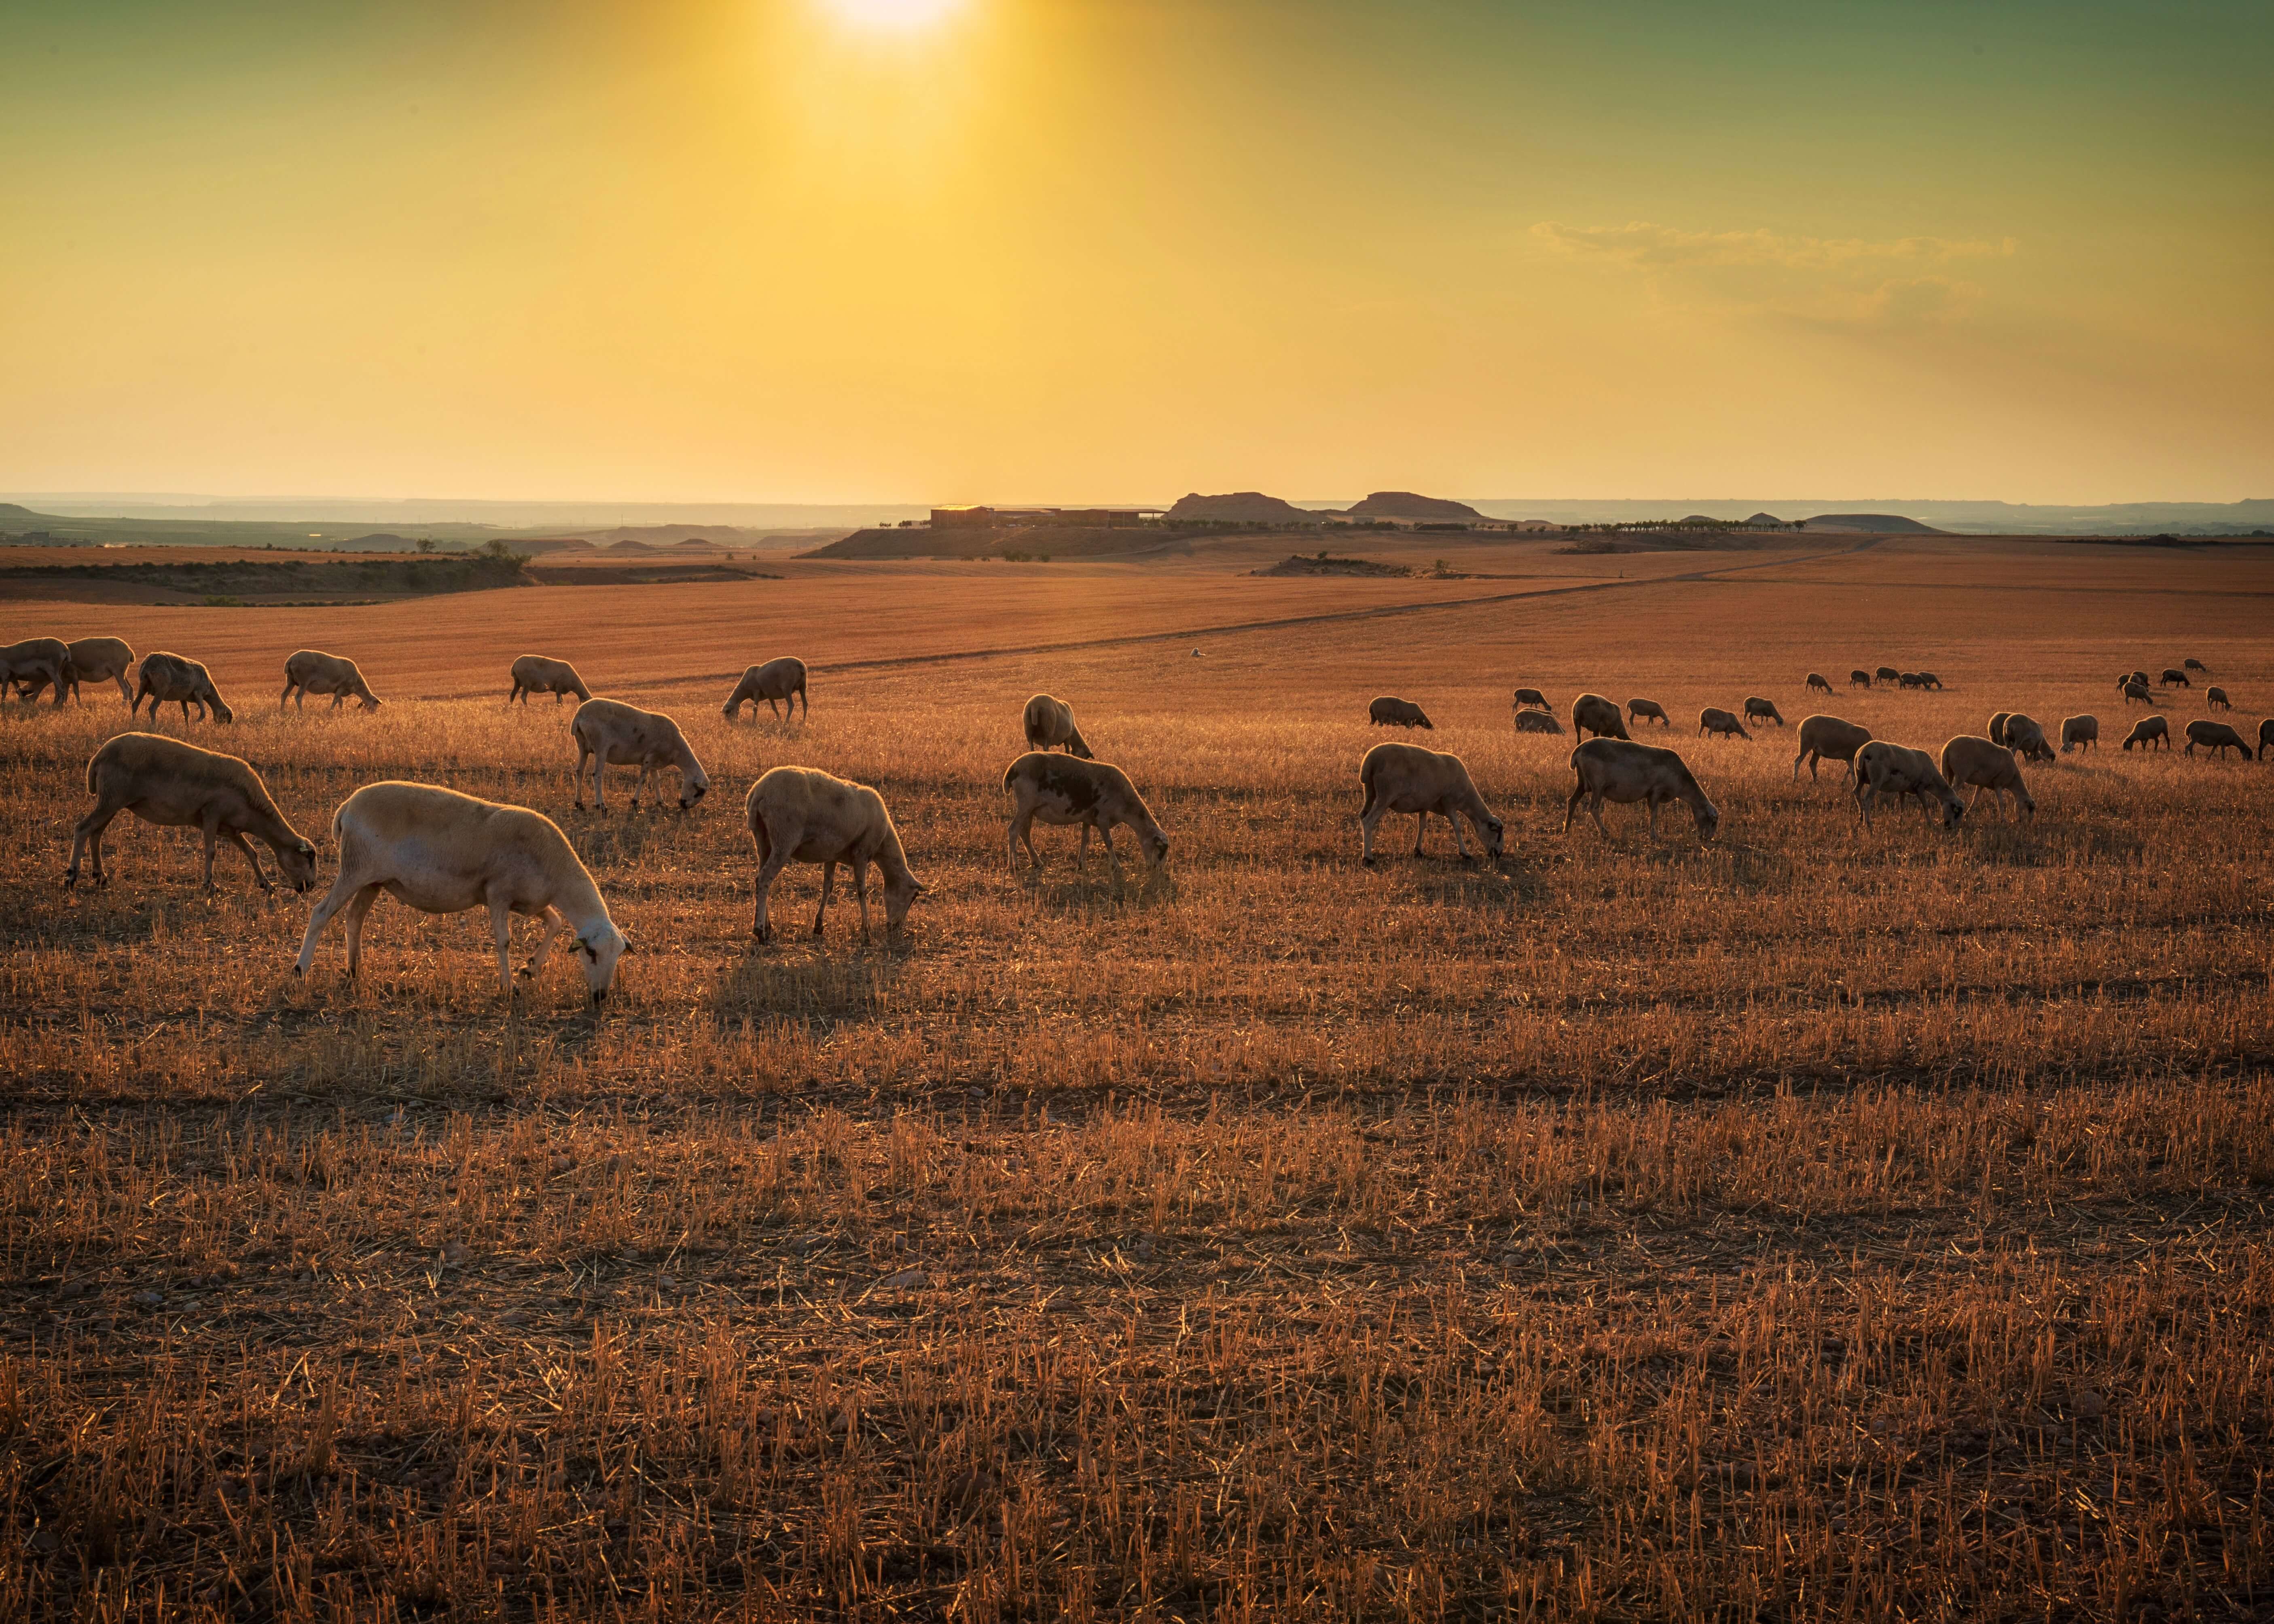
1117	249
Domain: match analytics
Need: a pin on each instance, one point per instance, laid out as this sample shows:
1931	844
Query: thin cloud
1643	244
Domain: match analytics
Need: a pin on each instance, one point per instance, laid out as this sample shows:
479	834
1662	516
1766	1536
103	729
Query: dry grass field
1819	1224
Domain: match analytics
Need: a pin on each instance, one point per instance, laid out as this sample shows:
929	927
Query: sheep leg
501	931
285	697
554	924
1579	794
861	890
1082	853
770	870
1650	804
1105	833
639	785
357	909
90	830
342	888
212	829
1460	841
1367	820
828	879
250	856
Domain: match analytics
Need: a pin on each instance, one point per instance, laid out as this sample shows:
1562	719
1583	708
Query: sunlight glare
896	14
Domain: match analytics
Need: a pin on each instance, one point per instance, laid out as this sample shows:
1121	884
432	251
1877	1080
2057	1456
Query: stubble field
1822	1223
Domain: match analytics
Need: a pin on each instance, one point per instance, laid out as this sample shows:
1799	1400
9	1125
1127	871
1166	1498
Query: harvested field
1817	1224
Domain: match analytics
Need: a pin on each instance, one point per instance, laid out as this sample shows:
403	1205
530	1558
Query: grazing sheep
1619	770
1389	712
1894	770
2265	737
1756	707
444	852
101	659
1828	738
1532	696
1859	678
2140	677
1647	710
1713	720
2216	737
2148	732
1591	713
779	679
535	673
2195	665
34	663
610	733
1815	680
2216	699
1996	732
2080	731
2173	677
1538	722
1064	790
1888	673
166	677
173	785
1927	678
1986	766
308	672
803	815
2137	693
2026	737
1050	724
1405	778
1910	679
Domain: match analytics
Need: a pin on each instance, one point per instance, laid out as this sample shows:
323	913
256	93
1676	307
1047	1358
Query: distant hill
1239	507
538	546
629	545
1869	523
1764	518
1408	505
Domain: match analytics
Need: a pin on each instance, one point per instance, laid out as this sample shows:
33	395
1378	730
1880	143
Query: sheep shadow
796	977
1066	891
1733	865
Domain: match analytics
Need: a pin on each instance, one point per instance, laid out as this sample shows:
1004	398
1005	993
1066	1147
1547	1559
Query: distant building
997	518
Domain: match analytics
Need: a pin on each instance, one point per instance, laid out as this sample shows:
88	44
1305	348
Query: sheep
1064	790
1927	678
1884	769
537	674
2216	737
1987	766
2265	737
1888	673
1389	712
2173	677
1532	696
2148	732
1405	778
1829	738
168	677
444	853
1910	679
2216	699
1591	713
1815	680
2192	664
1756	707
803	815
173	785
308	672
1538	722
1859	678
1620	771
610	733
98	659
1647	710
1996	732
1050	722
2080	733
34	663
782	680
2026	739
2137	693
2140	677
1713	720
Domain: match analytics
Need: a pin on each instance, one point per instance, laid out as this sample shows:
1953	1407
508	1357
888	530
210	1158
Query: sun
896	14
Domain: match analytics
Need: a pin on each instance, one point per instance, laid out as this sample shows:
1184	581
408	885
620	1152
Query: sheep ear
627	946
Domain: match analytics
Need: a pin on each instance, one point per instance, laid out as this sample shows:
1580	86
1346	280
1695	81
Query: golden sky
1069	250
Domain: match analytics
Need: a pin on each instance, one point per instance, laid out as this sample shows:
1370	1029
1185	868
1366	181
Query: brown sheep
1996	732
1064	790
2025	737
1859	678
610	733
2216	737
1927	678
1896	770
173	785
1049	725
35	663
2140	677
1815	680
1389	712
1405	778
2137	693
2148	732
166	677
2216	699
1619	770
102	659
779	679
1538	722
1888	673
1756	707
2173	677
444	853
1647	710
1828	738
308	672
2195	665
1591	713
803	815
1532	696
1713	720
536	674
2265	737
1967	760
2080	733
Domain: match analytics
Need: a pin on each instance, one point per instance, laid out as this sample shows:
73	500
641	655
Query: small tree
425	544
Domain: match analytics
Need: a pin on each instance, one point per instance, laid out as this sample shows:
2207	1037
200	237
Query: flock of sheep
443	851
